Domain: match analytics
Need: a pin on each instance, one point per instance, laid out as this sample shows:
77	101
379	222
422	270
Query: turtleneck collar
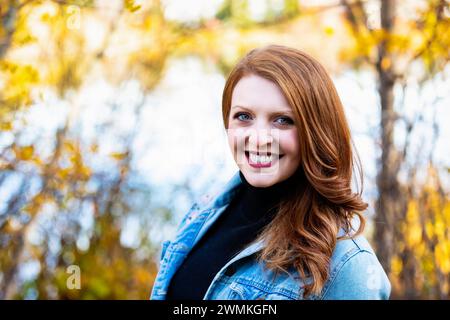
259	201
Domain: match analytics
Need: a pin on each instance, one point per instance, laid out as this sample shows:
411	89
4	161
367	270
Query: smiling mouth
262	160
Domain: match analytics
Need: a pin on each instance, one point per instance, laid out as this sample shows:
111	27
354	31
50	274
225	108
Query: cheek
289	143
233	139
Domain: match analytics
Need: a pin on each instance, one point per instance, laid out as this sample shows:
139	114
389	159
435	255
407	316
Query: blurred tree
391	43
56	184
421	263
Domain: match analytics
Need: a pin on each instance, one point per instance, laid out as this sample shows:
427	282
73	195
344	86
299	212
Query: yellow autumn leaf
24	153
412	214
131	6
442	254
6	126
414	235
396	265
329	31
446	213
385	63
94	148
118	155
70	146
64	173
86	172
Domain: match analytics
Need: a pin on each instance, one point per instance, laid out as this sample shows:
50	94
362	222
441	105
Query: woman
287	225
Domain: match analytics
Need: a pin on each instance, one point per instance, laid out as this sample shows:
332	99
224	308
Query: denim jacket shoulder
355	272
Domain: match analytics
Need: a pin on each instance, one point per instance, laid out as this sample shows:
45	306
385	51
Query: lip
261	165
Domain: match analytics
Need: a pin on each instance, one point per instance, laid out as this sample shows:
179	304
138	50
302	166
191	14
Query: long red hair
304	232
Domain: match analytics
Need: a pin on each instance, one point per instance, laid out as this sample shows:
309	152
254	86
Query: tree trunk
389	203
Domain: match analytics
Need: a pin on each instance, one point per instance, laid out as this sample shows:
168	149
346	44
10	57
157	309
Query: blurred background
110	128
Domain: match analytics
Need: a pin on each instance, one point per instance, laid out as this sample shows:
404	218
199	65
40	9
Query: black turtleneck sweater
244	218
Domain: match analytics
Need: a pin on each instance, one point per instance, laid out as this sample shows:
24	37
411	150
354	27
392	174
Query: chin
260	179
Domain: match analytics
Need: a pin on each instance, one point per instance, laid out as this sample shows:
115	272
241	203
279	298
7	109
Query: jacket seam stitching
281	291
339	269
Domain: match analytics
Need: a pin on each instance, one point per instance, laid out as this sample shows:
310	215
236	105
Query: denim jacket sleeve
360	277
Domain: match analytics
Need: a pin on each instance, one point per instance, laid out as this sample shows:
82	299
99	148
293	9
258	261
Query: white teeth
260	159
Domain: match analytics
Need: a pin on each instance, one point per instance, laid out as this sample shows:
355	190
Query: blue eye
238	115
286	121
245	117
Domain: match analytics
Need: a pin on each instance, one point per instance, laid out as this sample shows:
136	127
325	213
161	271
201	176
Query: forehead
257	93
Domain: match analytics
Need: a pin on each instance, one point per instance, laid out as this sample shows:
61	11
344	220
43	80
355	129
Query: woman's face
261	132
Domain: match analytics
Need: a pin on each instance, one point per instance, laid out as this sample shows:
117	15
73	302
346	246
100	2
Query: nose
260	139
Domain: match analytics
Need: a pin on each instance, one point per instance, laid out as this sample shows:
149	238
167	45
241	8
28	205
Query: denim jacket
355	272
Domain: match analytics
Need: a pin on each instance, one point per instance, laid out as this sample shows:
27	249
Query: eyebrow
275	112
